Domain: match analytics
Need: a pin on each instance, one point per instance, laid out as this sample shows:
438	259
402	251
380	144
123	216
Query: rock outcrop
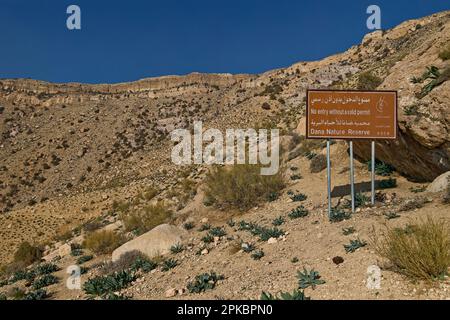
157	241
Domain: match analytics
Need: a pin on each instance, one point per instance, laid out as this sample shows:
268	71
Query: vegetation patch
103	242
240	186
295	295
419	251
148	218
354	245
203	282
102	285
308	279
298	212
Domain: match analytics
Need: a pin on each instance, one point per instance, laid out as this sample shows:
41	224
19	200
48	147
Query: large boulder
153	243
440	183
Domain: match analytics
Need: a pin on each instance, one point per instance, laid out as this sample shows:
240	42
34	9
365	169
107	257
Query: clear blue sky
129	40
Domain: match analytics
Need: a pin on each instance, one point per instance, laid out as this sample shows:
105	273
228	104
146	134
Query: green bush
257	254
298	197
44	281
298	212
40	294
177	248
387	183
278	221
381	168
169	264
27	254
46	268
101	285
217	232
103	242
203	282
338	215
240	186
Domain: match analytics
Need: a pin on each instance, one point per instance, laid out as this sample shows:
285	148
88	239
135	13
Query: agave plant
169	264
298	212
295	295
101	285
217	232
278	221
309	279
257	255
203	282
177	248
44	281
354	245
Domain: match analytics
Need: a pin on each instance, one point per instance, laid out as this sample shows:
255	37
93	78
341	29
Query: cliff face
60	139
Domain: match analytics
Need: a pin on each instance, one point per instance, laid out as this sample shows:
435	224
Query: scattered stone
338	260
272	241
170	293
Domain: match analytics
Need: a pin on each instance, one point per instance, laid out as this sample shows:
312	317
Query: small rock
204	252
272	241
170	293
204	220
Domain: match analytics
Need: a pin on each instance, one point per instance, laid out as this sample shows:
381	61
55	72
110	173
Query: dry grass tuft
103	242
240	186
151	216
420	251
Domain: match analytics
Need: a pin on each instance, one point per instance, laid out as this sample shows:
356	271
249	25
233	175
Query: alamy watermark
229	149
374	20
73	21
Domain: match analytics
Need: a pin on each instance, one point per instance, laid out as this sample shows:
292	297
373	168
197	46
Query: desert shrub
411	204
381	168
419	251
208	238
354	245
298	197
102	242
2	297
445	53
46	268
295	295
368	81
278	221
177	248
44	281
84	259
257	254
309	279
169	264
241	186
203	282
26	254
102	285
387	183
318	163
361	199
39	294
338	215
189	226
263	233
217	232
298	212
150	217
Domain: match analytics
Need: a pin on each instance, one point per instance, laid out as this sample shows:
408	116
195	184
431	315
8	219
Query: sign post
352	177
351	115
372	174
329	178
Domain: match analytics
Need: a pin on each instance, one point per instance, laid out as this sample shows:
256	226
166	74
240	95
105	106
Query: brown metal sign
333	114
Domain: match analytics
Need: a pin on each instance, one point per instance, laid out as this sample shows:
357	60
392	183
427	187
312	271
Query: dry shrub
27	254
151	216
420	251
103	242
318	163
445	53
368	81
240	186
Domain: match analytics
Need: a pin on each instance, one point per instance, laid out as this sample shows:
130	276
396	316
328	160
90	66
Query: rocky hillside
70	153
